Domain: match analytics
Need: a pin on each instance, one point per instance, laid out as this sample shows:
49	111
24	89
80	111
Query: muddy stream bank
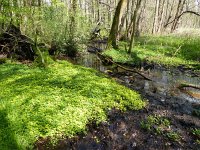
164	84
123	130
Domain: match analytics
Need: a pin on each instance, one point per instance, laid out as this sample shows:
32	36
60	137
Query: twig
188	11
177	50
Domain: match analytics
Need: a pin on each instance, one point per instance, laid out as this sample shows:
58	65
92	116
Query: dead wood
184	85
16	45
120	66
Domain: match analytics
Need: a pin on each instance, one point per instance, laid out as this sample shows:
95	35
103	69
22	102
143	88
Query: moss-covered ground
54	102
165	50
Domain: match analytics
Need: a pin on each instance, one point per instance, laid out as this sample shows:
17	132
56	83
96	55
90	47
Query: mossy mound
55	101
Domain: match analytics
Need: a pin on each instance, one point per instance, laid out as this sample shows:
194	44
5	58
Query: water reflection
90	60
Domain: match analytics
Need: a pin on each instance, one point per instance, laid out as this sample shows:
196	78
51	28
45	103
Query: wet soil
123	130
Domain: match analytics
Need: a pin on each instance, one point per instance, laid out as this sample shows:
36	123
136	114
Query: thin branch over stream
120	66
183	85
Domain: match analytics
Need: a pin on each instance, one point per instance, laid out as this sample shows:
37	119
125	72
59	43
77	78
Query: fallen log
188	92
120	66
184	85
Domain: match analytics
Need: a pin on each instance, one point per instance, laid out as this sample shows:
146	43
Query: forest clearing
99	74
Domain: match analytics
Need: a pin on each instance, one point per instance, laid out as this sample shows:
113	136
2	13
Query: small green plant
174	136
156	123
145	126
198	142
161	126
43	58
196	133
70	48
3	60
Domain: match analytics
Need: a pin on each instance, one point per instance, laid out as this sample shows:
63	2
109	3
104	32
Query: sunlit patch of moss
55	101
166	50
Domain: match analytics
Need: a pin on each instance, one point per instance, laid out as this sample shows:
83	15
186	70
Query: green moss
55	101
166	50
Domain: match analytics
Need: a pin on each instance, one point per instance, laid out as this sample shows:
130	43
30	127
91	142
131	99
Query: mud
123	132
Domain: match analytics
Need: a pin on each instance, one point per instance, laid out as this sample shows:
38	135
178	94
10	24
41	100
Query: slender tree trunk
169	12
137	28
155	24
178	12
1	14
121	26
131	20
98	11
141	21
138	5
160	26
127	21
112	40
73	19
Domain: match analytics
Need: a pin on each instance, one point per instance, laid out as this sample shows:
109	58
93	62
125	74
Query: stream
122	130
162	89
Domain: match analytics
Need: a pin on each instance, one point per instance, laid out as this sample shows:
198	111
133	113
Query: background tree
134	19
55	22
112	40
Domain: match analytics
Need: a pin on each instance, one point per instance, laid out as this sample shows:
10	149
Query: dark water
165	81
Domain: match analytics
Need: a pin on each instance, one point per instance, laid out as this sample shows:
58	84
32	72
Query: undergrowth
196	133
55	101
165	50
3	60
160	126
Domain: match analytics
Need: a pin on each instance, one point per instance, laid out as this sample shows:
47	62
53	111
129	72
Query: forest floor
158	127
164	124
168	122
56	102
67	106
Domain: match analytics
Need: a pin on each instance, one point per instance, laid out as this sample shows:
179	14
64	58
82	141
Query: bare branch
178	17
100	2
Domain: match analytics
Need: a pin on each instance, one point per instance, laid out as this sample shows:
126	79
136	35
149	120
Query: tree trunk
155	24
160	27
73	19
134	25
137	28
178	12
112	40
